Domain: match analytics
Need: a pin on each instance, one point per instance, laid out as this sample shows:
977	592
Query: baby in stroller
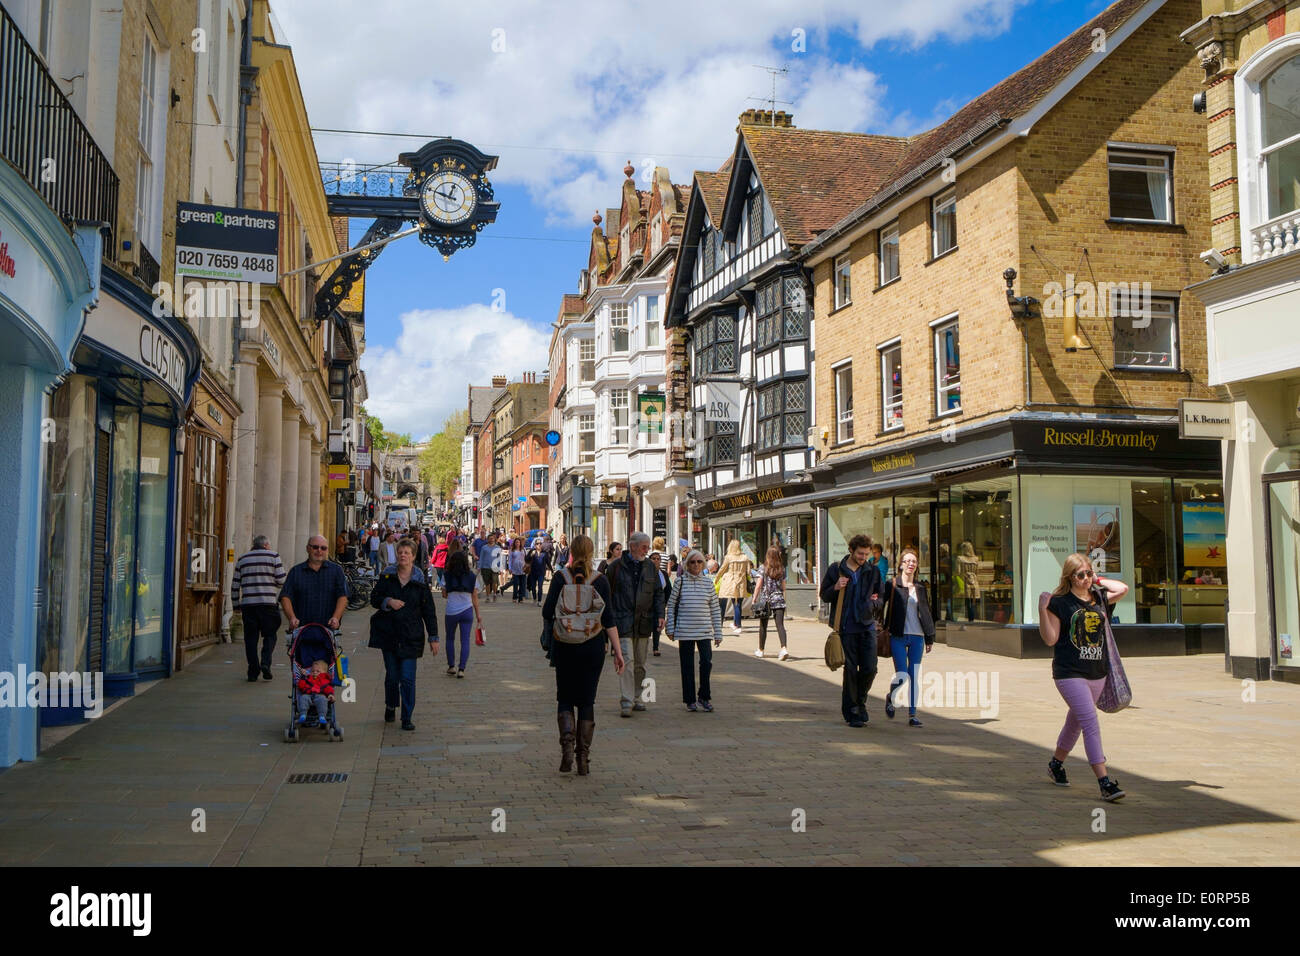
313	655
315	687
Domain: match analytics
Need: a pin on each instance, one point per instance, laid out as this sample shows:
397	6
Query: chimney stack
499	381
782	119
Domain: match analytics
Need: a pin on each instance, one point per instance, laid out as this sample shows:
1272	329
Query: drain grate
317	777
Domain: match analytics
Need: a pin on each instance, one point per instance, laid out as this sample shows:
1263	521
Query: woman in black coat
404	611
910	626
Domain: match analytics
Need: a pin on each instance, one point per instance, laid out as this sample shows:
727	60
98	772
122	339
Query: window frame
586	426
892	227
653	321
883	351
617	311
708	346
615	407
1251	175
538	487
937	328
1175	333
843	416
944	197
1165	154
842	280
777	416
585	363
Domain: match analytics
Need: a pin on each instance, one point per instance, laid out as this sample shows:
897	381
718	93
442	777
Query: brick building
997	435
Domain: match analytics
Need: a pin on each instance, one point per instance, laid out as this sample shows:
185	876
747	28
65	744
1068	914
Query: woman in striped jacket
694	618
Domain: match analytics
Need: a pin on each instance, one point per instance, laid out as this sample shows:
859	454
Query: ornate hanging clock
449	178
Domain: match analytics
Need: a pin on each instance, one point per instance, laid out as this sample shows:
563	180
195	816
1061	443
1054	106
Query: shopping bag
1116	694
480	637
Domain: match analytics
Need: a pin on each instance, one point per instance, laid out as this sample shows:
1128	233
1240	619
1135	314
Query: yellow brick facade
1039	205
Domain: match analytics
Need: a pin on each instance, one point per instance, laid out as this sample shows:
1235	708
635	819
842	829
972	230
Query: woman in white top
694	618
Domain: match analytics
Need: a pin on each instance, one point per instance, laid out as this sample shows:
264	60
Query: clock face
448	197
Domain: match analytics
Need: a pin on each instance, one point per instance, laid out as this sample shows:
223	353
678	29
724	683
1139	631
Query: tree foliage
381	439
440	460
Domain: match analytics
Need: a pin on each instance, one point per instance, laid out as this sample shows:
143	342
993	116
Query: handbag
1116	694
834	649
760	596
883	647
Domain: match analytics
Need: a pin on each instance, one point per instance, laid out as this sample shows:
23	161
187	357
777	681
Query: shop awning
948	475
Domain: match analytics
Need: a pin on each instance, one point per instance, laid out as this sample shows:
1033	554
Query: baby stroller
309	643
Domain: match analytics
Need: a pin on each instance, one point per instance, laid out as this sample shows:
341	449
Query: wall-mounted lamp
1021	305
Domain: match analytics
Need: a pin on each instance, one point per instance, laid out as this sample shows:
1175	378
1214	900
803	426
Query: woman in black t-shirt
1072	621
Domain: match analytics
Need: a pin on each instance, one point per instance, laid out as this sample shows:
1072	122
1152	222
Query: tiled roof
713	189
481	398
814	178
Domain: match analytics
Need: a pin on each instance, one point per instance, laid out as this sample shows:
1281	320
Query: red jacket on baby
311	683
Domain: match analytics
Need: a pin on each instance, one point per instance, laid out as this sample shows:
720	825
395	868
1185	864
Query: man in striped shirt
259	575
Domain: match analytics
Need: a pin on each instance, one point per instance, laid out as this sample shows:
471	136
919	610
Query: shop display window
979	557
121	590
1202	556
794	536
1284	556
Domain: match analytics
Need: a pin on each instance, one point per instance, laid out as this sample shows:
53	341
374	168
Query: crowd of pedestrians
622	606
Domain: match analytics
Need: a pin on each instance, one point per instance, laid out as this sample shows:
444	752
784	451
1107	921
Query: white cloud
577	89
422	378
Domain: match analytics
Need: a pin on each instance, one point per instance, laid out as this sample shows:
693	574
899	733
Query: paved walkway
773	776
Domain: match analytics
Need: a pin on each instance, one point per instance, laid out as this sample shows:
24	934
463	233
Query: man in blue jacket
857	584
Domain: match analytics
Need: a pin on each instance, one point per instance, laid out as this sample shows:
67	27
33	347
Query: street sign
552	437
722	401
612	505
363	461
222	242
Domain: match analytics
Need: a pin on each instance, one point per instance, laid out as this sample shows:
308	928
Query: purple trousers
1081	699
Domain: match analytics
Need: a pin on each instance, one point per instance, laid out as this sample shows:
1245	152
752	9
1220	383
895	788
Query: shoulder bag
834	650
884	649
1116	694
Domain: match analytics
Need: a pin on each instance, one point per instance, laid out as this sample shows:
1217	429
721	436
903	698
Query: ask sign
722	402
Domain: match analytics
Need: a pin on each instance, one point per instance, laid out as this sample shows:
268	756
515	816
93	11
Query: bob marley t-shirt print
1081	649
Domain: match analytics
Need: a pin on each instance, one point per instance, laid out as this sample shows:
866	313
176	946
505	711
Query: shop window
889	262
1202	551
209	469
978	560
68	528
1146	333
122	540
943	222
947	368
794	537
1141	186
151	554
1284	556
843	277
844	403
891	387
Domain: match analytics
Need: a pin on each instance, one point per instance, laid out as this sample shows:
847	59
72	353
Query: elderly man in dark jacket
856	584
638	612
404	612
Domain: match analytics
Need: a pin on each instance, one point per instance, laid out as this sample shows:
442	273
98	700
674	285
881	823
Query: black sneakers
390	715
1057	770
1110	788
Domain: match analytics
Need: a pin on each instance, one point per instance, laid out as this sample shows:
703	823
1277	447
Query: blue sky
566	101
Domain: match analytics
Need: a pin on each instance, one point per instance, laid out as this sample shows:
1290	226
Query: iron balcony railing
42	137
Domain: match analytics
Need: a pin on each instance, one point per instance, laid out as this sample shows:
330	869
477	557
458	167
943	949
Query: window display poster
1284	647
1205	535
1096	534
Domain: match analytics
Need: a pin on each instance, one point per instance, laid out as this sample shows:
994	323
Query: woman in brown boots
580	629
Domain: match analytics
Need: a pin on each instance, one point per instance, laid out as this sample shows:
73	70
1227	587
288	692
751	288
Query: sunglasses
1082	575
318	547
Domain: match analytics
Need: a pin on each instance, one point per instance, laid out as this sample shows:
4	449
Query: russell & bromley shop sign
1102	438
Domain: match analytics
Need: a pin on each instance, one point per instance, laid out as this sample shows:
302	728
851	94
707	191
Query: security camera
1214	259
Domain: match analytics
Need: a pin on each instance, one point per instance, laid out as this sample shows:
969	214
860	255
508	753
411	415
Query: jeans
907	652
465	620
779	614
859	671
1081	697
519	582
399	683
260	620
306	700
686	652
631	683
374	561
535	586
439	572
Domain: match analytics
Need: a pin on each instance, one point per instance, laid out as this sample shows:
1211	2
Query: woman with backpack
518	575
907	610
769	600
1072	620
694	618
579	619
460	586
